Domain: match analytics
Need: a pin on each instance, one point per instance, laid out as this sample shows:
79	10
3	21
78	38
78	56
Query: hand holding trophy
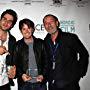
33	73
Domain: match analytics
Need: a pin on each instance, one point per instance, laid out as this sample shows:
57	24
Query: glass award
33	73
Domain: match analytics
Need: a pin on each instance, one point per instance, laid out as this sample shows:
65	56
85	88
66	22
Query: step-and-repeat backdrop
74	17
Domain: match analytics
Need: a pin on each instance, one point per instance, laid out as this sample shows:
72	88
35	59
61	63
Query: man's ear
33	31
58	24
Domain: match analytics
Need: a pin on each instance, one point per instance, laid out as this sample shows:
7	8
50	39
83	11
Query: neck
3	35
28	40
54	36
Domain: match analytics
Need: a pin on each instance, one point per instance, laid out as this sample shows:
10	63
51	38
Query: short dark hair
28	22
11	12
51	15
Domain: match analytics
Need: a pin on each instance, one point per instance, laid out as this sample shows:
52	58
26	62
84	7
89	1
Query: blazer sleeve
83	56
18	62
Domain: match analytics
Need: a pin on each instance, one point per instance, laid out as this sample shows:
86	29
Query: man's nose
49	24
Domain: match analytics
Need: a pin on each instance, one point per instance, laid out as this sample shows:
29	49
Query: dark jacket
9	58
71	59
22	57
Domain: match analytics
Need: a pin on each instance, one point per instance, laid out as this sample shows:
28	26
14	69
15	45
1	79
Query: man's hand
25	77
3	50
39	78
12	72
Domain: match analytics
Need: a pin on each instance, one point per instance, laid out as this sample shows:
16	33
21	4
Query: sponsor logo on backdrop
39	27
80	3
57	3
40	31
67	25
25	2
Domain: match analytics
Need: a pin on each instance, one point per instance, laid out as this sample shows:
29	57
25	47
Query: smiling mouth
27	33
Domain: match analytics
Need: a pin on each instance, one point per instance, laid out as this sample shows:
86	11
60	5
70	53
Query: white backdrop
74	16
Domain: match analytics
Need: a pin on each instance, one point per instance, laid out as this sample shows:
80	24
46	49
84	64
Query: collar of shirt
6	42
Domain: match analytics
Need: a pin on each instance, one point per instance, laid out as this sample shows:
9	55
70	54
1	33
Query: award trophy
33	73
